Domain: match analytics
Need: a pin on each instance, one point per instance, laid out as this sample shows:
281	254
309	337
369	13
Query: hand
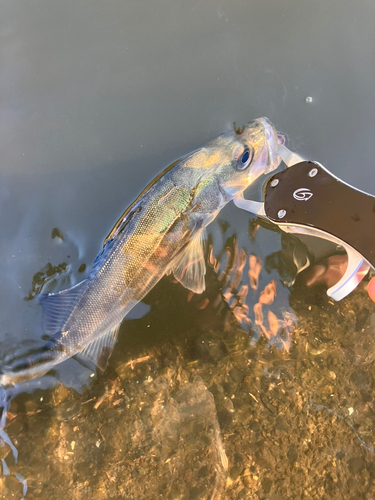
371	288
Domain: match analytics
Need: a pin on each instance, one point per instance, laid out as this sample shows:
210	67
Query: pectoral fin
101	349
189	267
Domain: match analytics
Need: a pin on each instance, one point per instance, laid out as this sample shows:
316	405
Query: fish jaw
268	159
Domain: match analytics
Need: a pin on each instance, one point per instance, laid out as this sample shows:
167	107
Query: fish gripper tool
307	199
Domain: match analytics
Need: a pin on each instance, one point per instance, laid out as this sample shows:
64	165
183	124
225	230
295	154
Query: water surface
198	400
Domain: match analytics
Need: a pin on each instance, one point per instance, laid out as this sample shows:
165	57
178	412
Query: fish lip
282	139
271	144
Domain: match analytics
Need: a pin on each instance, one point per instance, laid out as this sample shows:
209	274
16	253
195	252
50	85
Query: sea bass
162	232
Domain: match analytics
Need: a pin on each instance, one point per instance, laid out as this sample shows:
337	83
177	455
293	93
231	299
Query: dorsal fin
56	307
134	207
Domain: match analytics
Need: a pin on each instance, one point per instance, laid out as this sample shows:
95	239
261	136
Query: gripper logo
302	194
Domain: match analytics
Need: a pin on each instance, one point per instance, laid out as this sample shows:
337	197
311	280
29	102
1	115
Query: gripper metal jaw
254	207
288	157
357	267
354	274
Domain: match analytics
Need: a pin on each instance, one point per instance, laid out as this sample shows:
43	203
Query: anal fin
100	350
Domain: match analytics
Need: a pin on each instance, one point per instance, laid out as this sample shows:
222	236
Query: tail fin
6	396
33	366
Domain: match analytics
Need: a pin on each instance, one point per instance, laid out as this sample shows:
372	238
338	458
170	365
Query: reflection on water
212	396
235	293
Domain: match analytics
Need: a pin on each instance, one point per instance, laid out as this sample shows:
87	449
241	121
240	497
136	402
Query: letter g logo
302	194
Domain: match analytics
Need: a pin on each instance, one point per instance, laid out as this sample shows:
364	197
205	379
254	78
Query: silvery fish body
162	232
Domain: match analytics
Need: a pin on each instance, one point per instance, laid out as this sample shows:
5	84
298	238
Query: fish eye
244	159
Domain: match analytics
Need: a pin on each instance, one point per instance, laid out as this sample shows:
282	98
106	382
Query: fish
163	232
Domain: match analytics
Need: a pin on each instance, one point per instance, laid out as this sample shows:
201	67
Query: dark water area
202	398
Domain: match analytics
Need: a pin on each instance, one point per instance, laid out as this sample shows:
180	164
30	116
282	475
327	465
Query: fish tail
5	399
6	396
27	368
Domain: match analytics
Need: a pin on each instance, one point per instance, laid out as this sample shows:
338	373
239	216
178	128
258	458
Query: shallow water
197	402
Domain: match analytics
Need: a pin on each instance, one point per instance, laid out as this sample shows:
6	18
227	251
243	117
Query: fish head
232	161
251	151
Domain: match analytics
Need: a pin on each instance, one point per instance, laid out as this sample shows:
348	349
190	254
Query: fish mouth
269	159
282	139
